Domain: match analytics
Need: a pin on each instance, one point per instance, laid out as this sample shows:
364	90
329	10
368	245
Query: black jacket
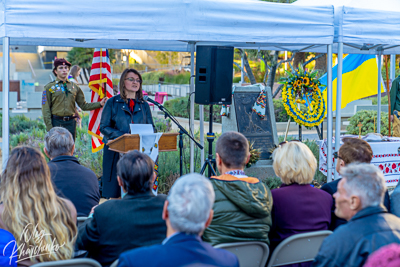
352	243
75	182
116	117
331	188
120	225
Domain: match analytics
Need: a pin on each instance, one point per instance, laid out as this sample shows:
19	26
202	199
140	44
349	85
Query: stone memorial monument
261	132
242	119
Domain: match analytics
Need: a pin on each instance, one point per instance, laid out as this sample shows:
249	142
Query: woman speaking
118	113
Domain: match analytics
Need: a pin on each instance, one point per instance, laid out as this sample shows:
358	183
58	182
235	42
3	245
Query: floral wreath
302	87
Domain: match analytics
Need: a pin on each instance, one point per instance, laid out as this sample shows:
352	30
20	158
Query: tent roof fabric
367	24
164	25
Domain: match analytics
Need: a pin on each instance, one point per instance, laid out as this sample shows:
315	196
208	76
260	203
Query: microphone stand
181	132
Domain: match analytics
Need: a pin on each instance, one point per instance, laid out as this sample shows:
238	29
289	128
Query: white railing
175	90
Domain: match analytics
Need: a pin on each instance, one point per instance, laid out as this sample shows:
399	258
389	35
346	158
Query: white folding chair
298	248
251	254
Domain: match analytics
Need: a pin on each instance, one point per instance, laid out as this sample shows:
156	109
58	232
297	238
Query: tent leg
6	88
338	100
392	67
378	121
330	115
191	126
201	115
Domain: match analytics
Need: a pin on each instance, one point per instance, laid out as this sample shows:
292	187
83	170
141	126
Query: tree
83	57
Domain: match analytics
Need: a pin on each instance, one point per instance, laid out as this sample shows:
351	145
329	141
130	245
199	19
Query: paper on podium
141	128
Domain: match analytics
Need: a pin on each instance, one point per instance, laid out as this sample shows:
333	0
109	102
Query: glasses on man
336	155
133	80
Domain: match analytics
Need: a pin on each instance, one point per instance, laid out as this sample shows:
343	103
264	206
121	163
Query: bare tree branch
277	91
246	64
312	59
237	65
287	60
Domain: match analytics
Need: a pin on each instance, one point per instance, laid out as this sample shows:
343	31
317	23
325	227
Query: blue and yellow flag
359	79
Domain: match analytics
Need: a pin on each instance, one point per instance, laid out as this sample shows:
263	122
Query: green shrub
384	100
179	107
21	123
162	125
279	110
366	118
170	77
237	79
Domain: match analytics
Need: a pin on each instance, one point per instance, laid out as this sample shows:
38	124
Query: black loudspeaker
214	75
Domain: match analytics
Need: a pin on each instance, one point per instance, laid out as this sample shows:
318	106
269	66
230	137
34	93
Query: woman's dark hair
136	171
139	94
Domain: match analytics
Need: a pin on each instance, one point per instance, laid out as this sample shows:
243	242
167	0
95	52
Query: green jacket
57	102
242	211
395	95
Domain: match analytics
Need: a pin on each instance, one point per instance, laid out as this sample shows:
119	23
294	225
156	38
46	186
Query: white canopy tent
176	25
361	27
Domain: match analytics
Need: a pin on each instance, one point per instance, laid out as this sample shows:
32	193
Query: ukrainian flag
359	79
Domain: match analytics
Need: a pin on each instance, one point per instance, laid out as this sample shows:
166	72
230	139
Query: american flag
101	84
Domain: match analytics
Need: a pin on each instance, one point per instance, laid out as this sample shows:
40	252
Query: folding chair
298	248
69	263
115	263
150	104
251	254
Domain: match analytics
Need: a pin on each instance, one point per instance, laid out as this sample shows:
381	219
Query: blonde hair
294	163
30	202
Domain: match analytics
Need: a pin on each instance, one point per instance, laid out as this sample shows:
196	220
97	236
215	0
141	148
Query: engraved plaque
260	131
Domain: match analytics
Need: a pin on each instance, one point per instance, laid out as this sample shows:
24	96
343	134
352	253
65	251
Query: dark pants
111	189
69	125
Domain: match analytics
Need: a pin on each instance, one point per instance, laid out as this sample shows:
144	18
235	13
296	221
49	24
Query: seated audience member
395	201
352	150
242	208
127	223
359	200
72	180
298	207
7	243
30	205
187	212
387	256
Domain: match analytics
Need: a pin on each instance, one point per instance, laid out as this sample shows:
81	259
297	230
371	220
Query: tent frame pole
330	113
378	121
6	88
392	67
338	102
191	126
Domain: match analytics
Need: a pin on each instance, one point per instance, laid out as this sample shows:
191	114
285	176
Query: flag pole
101	67
388	92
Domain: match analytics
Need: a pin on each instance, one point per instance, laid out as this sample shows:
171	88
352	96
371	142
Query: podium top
128	142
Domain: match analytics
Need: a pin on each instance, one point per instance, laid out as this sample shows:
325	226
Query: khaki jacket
60	102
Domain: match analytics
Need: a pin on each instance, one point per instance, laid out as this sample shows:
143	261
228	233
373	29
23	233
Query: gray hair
58	142
191	199
365	181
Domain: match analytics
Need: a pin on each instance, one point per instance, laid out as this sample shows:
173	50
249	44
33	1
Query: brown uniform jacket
56	101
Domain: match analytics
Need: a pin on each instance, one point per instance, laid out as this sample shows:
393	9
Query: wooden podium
128	142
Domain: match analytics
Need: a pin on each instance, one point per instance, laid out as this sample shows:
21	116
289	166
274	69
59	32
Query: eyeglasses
134	80
336	155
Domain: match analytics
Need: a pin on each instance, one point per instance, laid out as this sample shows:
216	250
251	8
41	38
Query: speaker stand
210	162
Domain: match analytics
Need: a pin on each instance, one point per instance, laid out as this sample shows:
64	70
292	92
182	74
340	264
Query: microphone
148	99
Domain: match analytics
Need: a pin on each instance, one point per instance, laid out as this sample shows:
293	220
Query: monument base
262	170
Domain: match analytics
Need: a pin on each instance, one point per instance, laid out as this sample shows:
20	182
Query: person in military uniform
59	97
